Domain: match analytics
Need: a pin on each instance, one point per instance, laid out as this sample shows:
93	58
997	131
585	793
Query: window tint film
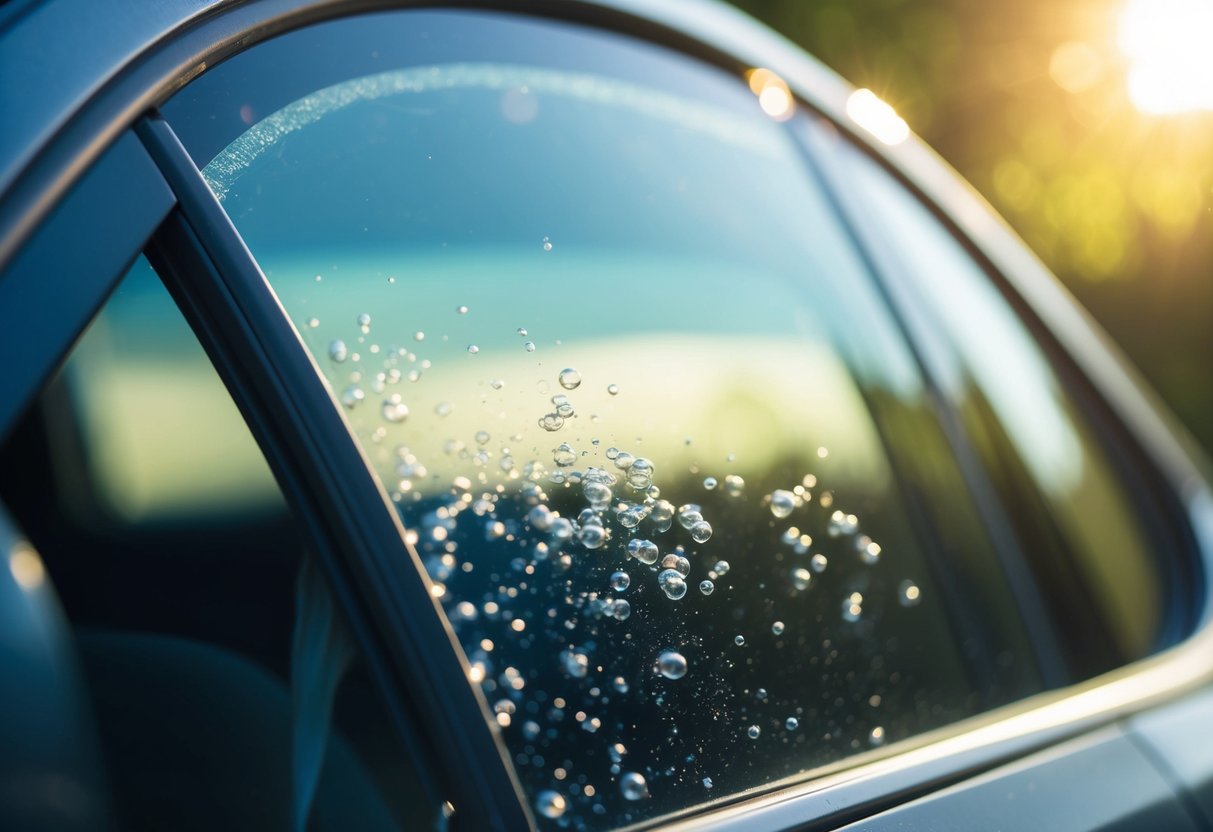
1079	525
668	460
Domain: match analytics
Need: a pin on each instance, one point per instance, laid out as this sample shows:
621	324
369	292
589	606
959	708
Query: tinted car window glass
1081	528
141	384
227	689
647	421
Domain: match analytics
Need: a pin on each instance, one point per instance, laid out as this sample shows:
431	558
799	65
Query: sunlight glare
774	97
1171	59
872	114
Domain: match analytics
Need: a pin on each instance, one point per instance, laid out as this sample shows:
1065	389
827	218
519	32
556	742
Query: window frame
167	51
84	238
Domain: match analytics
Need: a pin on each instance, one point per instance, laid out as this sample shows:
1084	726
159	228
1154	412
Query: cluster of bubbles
620	520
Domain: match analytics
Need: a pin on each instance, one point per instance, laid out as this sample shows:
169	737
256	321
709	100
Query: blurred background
1087	123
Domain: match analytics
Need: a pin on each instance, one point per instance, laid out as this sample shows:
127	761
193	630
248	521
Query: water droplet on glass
541	519
319	278
909	594
678	563
482	437
598	494
576	663
496	383
550	804
522	332
547	244
792	723
777	628
852	607
640	474
707	587
621	609
352	396
801	578
529	346
551	422
395	410
418	336
631	517
734	485
461	310
645	551
709	483
842	523
671	664
782	503
313	322
391	280
569	378
721	568
753	732
689	515
876	737
443	409
620	581
707	782
364	321
564	455
818	563
633	786
473	349
613	389
672	584
701	532
338	351
739	640
592	537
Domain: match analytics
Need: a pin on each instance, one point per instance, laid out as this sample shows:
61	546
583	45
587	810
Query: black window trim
83	240
330	483
170	56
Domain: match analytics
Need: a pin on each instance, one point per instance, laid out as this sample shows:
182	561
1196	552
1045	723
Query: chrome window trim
87	96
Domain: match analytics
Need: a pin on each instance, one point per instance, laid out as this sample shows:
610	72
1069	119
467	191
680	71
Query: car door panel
1179	735
1100	781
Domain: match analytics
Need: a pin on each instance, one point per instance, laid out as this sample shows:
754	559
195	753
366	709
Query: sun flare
1169	44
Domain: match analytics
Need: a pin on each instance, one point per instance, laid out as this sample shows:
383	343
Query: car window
1082	527
227	687
140	385
670	464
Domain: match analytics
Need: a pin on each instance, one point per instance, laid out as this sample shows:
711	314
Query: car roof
59	53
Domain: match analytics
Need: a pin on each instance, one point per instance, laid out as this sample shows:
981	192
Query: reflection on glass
611	355
1006	386
160	442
